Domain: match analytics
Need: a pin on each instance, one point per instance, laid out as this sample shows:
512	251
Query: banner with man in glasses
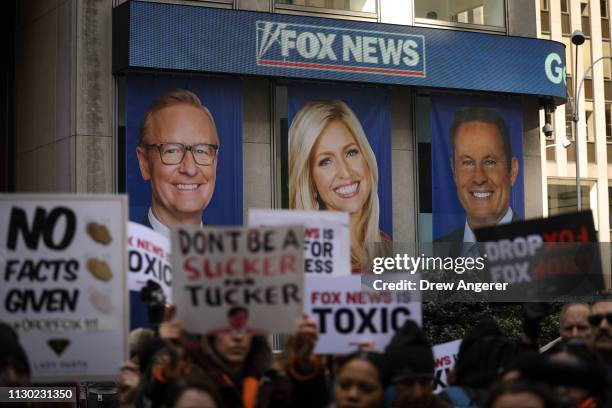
175	130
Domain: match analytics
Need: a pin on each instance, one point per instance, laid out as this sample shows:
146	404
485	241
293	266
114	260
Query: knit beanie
409	354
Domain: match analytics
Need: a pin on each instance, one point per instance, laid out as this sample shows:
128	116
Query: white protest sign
445	355
238	279
148	259
326	237
63	263
346	315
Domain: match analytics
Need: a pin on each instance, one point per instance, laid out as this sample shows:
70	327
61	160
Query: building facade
81	68
557	20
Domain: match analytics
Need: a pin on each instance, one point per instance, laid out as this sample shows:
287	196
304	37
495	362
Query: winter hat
409	353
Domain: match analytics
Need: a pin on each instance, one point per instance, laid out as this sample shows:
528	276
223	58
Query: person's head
411	366
332	166
573	321
177	151
484	339
237	318
14	363
483	167
576	371
240	351
600	320
361	380
192	392
520	394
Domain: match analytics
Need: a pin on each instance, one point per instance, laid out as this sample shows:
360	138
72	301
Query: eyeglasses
595	320
173	153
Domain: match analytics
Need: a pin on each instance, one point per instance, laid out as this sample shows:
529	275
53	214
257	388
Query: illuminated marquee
299	46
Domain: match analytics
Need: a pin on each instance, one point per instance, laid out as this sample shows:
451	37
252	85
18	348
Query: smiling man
484	172
177	151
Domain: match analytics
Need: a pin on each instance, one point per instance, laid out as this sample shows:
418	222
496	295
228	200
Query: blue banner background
223	97
372	107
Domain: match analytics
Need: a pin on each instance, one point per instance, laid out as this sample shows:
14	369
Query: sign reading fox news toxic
301	46
544	259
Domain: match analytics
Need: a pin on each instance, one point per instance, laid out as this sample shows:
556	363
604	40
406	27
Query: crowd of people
237	369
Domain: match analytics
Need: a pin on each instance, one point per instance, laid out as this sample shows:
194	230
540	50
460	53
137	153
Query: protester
192	392
361	380
128	381
572	369
600	320
236	363
520	394
483	354
574	322
411	368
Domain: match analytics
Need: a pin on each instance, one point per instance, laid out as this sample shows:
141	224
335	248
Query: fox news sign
182	38
301	46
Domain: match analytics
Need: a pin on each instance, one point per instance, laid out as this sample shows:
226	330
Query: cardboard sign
326	237
63	289
544	259
238	279
346	316
445	356
148	259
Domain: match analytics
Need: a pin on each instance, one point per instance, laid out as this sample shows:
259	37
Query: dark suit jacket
452	243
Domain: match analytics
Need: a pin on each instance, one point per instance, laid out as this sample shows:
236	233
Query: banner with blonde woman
339	158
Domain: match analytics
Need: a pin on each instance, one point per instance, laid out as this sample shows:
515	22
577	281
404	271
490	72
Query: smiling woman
333	167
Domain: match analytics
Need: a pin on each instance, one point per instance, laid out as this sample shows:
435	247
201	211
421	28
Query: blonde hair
172	98
305	129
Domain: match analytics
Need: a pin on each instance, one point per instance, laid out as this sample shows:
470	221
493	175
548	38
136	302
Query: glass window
586	56
366	6
569	65
545	21
590	121
585	18
608	89
610	204
565	18
564	6
605	52
478	12
608	122
562	196
603	8
584	8
569	129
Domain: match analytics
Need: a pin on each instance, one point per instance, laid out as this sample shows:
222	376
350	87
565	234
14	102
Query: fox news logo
299	46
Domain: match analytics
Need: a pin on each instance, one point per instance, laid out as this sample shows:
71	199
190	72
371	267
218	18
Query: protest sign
149	268
149	259
63	286
346	315
445	356
238	279
544	259
326	237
